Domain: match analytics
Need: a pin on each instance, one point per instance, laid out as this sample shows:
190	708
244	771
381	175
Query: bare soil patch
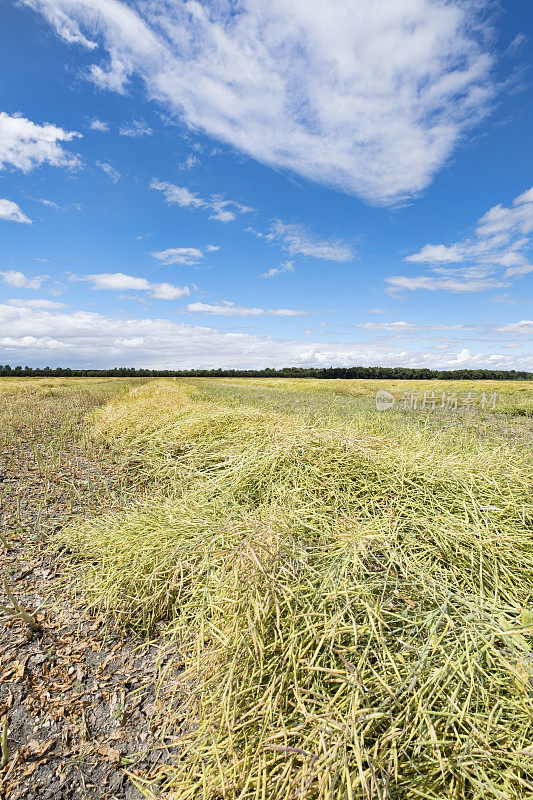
83	701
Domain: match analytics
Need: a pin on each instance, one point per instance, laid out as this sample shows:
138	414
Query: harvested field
80	698
350	592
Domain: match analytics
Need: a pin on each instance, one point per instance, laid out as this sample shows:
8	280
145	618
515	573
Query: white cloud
499	245
179	255
370	99
507	300
385	326
25	145
212	248
166	291
505	224
18	280
437	254
190	162
178	195
524	326
10	211
286	266
517	42
38	303
297	240
224	210
116	281
98	125
109	170
228	309
285	312
458	285
401	326
135	130
83	338
119	282
376	311
49	203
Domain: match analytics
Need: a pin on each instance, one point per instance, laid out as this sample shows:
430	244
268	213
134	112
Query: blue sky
238	184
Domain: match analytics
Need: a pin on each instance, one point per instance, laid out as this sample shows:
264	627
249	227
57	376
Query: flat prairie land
340	598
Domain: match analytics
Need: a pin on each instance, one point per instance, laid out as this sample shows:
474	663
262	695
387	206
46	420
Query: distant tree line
392	373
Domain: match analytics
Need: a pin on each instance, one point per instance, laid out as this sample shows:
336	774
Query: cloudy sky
236	183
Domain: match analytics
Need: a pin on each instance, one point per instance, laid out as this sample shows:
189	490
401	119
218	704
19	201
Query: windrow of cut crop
353	610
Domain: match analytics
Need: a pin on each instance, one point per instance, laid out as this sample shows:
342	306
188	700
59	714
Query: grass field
351	591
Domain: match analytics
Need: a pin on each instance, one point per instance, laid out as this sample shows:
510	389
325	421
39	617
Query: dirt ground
82	701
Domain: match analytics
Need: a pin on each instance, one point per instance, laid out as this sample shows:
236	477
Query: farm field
343	596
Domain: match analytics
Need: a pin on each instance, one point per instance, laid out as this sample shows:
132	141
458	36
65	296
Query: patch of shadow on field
83	701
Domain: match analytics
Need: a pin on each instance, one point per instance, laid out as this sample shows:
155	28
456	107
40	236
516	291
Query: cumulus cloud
372	101
81	338
438	254
18	280
25	145
286	266
167	291
223	210
228	309
188	256
499	247
119	282
110	171
298	240
10	211
116	281
212	248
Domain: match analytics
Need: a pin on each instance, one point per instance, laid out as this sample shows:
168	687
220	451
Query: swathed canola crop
353	605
